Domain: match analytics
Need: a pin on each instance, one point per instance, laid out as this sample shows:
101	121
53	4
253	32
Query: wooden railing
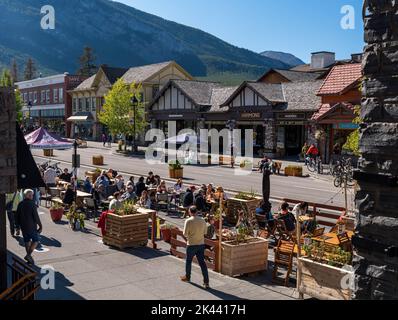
322	211
211	252
24	282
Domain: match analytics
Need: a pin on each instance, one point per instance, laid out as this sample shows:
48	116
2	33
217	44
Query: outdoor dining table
331	238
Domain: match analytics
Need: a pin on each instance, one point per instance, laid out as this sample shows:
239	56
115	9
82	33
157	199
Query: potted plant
56	212
243	200
176	170
165	230
75	218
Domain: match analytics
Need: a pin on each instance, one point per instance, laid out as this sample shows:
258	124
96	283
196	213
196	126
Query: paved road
306	189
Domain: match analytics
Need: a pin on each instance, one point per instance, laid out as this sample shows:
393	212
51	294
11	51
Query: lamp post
231	124
75	164
134	102
29	106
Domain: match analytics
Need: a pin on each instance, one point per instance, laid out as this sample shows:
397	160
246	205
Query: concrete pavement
87	269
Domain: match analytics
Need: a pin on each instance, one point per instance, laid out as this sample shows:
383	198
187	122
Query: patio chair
90	208
45	196
318	232
284	253
345	242
162	202
281	232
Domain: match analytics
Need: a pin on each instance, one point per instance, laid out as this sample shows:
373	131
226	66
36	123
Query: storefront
83	125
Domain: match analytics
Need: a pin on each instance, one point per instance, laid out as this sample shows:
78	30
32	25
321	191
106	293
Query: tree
118	111
6	81
14	71
30	70
87	63
352	143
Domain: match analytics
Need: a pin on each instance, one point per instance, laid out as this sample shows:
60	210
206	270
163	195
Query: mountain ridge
284	57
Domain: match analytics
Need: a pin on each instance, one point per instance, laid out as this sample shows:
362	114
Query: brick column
376	240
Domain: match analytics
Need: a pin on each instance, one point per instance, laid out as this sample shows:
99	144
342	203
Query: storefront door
293	140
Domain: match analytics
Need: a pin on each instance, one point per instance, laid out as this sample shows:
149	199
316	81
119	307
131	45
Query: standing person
195	229
66	176
12	202
28	219
304	150
103	138
109	140
50	176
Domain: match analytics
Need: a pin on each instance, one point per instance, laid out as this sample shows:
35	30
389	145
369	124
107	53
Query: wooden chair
318	232
334	229
345	242
162	201
45	196
283	258
281	232
90	208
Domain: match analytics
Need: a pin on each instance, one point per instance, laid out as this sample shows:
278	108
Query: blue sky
298	27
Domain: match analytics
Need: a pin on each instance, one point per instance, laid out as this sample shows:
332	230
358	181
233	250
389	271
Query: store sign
176	116
346	126
291	123
250	115
293	116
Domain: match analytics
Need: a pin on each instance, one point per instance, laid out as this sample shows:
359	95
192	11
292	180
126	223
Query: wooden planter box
48	152
244	258
176	173
294	171
98	160
93	175
126	231
234	205
224	160
322	281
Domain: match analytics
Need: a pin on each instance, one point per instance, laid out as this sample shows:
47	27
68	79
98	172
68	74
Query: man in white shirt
49	177
195	230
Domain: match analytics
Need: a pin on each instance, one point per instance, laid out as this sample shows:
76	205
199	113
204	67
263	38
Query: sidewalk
87	269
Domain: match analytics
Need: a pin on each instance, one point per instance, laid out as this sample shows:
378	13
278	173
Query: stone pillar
376	239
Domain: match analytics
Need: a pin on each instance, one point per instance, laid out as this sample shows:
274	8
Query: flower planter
126	231
48	152
235	204
294	171
93	175
324	282
98	160
57	214
243	258
176	173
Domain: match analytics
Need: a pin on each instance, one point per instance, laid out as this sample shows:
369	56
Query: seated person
87	186
140	186
242	220
287	217
264	162
69	196
188	200
157	180
145	200
99	195
162	188
129	195
116	202
219	192
178	186
211	229
209	193
201	203
119	181
65	176
150	180
112	174
102	179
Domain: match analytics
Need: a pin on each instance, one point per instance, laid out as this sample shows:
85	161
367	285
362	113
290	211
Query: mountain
286	58
121	36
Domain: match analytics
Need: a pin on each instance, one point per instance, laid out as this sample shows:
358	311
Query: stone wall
376	240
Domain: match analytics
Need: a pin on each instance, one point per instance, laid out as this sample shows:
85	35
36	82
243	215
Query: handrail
18	288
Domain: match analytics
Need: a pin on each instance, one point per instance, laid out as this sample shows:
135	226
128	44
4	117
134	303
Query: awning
81	117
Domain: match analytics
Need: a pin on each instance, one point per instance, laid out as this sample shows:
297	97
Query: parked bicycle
315	164
45	165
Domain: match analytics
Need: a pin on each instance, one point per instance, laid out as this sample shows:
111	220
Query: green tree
7	81
30	70
14	71
352	143
118	111
87	63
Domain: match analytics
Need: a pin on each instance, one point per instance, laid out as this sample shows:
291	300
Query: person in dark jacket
188	200
28	219
201	203
140	187
69	196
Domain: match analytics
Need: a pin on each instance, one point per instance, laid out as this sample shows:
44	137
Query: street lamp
29	111
134	102
231	124
75	165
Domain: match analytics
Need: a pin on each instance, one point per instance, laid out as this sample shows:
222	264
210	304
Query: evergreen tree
87	63
5	79
14	71
30	70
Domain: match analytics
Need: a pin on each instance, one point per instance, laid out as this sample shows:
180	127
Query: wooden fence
211	252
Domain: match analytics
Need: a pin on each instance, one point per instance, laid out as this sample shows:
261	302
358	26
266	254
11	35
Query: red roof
325	109
341	78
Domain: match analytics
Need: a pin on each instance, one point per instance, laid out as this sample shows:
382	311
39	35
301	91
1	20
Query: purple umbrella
42	139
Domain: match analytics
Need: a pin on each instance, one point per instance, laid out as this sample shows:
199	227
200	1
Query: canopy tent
42	139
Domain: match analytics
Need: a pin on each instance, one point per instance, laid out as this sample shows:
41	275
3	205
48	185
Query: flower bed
243	201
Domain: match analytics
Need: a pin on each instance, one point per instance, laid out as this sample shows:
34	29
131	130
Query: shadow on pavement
217	293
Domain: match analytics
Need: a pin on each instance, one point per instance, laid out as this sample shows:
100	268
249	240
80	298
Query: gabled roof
341	78
86	84
301	96
112	74
145	73
219	96
293	76
326	109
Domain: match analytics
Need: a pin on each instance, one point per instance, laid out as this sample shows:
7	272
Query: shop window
93	104
30	96
74	105
88	104
80	105
155	91
47	96
25	97
43	96
35	97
